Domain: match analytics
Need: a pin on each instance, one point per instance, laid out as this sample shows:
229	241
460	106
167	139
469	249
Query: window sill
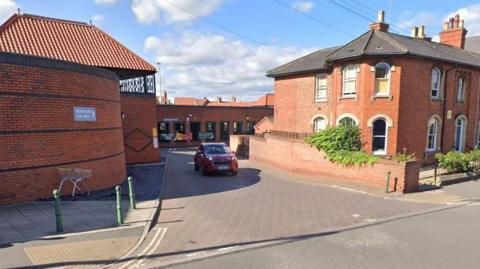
431	151
460	101
349	97
320	101
389	97
437	99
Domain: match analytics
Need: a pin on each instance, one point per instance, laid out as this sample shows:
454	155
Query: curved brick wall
38	132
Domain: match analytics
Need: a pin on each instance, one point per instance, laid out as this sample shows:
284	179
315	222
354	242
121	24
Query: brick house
190	121
404	92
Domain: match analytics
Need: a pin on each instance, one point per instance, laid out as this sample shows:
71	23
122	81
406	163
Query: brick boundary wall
38	132
298	157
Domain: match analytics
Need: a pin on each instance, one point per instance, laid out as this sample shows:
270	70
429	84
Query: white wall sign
84	114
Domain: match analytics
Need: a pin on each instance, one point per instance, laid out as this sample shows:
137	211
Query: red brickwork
202	114
38	132
298	157
140	117
409	106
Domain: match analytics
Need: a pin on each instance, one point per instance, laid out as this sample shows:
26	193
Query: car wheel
195	167
234	173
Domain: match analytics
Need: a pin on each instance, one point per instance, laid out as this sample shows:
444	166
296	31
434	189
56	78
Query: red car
215	157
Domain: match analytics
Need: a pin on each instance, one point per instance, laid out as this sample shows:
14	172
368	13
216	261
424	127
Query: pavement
91	235
440	240
210	215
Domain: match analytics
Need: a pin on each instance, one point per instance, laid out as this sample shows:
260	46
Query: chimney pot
421	31
381	16
414	32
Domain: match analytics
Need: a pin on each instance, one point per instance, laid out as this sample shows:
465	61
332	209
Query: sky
210	48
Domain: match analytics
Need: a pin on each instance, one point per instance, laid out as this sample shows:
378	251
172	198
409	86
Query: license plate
223	167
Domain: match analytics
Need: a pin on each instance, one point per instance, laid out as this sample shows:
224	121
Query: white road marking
227	248
356	215
157	239
195	254
93	232
348	189
369	220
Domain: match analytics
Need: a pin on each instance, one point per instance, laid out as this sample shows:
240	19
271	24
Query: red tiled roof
67	40
266	100
189	101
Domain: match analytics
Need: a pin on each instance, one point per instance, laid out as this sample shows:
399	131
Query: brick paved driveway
202	213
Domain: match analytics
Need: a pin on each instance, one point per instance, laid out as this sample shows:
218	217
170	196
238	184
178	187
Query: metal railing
291	135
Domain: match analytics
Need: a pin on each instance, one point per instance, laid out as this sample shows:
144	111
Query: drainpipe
444	82
476	112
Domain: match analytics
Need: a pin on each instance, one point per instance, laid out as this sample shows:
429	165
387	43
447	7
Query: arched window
349	77
461	88
436	78
432	134
379	139
382	79
347	121
319	123
460	131
321	88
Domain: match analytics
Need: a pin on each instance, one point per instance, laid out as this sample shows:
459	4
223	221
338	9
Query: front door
195	129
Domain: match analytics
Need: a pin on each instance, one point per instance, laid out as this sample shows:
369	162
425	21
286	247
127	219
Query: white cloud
7	9
105	2
409	19
303	6
198	64
171	11
471	15
97	19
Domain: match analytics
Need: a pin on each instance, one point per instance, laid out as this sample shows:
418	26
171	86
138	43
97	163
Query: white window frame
345	80
315	122
388	68
463	133
461	88
384	151
438	82
436	121
318	88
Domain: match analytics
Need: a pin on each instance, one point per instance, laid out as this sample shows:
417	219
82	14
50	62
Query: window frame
315	124
436	121
346	80
318	89
388	79
463	134
439	82
460	92
385	148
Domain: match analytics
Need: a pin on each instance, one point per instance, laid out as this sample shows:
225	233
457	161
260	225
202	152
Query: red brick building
404	92
190	121
52	71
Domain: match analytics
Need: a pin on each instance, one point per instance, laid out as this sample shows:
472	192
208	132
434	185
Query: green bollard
131	193
58	212
119	205
387	178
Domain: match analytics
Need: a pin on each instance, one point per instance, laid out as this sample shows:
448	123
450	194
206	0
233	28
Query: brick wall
140	117
38	132
298	157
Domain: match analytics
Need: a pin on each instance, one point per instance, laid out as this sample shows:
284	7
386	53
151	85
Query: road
209	215
444	239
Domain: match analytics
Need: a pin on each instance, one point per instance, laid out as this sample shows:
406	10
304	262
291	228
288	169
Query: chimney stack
454	33
234	99
419	32
219	99
380	23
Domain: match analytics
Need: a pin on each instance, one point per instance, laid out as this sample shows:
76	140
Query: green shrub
341	144
404	156
455	162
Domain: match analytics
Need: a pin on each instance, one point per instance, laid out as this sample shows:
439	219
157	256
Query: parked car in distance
215	158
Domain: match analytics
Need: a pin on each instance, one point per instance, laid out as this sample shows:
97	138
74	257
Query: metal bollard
119	205
387	179
58	212
131	193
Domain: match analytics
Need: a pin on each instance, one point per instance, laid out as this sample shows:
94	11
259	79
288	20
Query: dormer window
435	87
382	79
349	81
461	88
